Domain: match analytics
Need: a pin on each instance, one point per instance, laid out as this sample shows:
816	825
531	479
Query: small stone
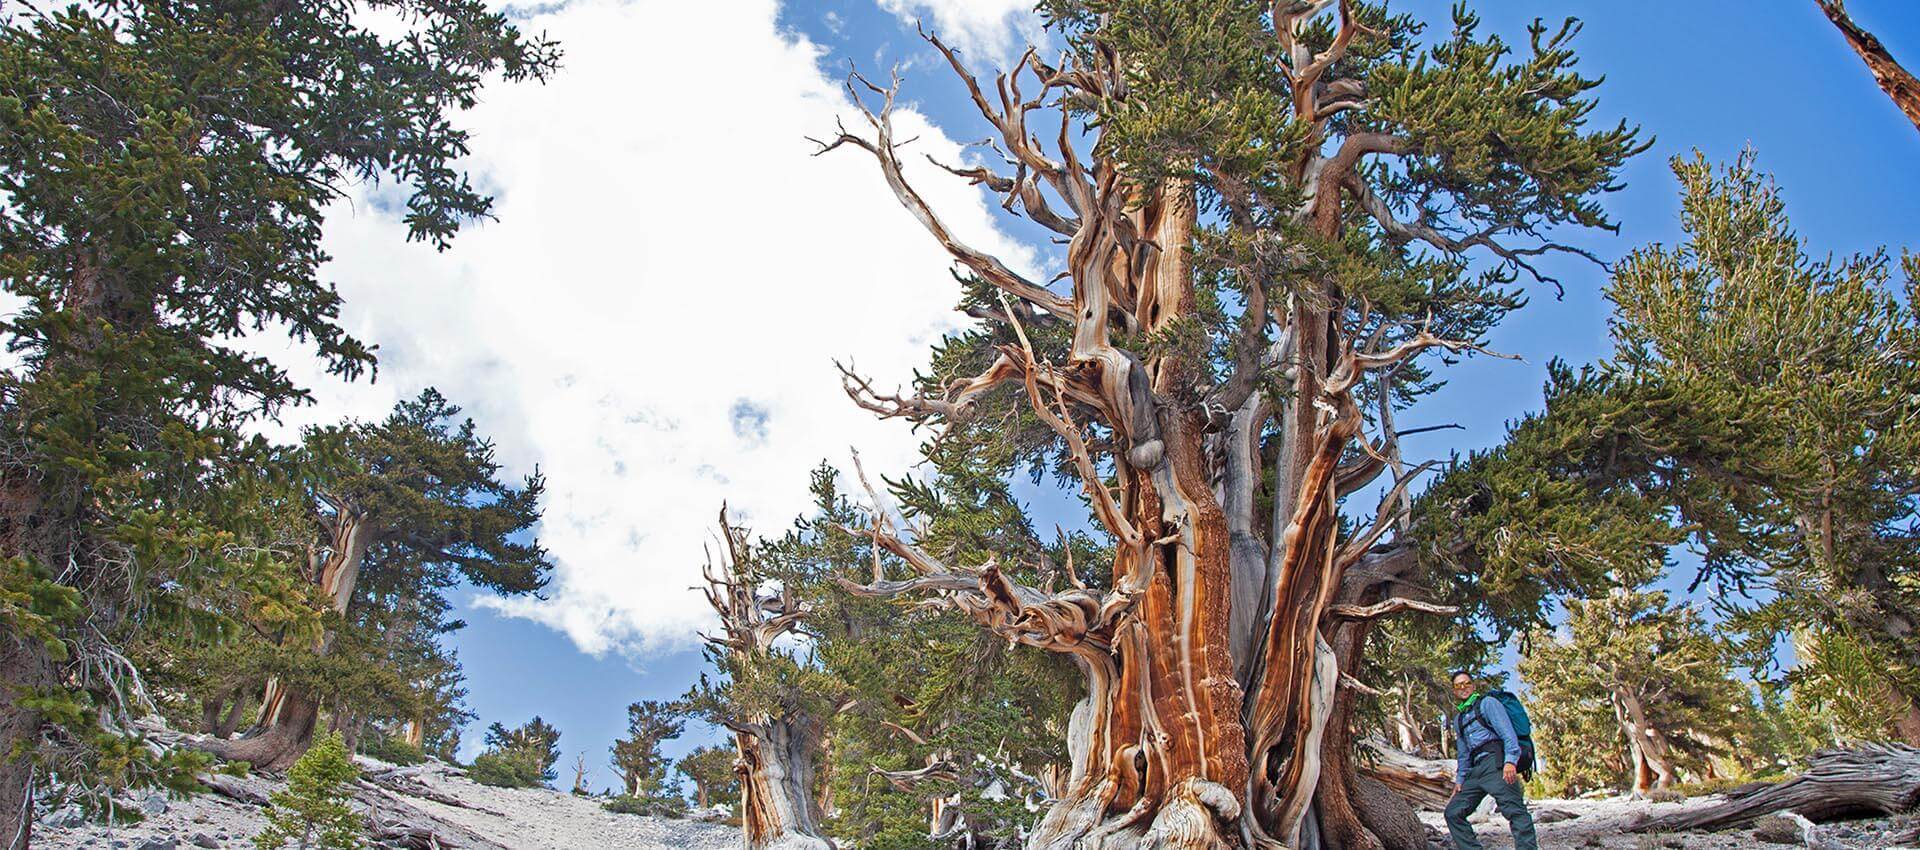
65	817
154	804
201	839
1774	829
1545	816
201	817
167	842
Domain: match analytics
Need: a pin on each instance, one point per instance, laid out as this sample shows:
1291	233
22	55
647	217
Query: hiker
1490	762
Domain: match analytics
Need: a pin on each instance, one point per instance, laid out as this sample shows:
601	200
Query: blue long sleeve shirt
1476	734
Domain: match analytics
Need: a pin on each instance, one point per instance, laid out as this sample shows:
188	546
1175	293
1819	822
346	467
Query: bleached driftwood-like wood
1873	779
1213	652
1425	783
777	751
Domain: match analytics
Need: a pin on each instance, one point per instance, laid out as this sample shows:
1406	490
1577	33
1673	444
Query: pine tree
643	767
165	168
522	757
775	701
315	811
1761	406
713	772
1268	214
1643	675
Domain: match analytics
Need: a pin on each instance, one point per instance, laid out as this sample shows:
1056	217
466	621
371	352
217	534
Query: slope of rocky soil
410	802
1603	823
413	802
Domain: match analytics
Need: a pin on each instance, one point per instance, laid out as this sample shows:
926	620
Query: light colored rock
154	804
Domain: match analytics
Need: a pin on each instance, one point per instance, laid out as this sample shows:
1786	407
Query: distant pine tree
1639	694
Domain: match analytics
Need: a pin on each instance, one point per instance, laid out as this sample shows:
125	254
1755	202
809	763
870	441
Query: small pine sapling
314	812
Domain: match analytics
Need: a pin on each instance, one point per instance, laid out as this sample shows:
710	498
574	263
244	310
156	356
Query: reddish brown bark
288	713
1212	715
777	753
1895	80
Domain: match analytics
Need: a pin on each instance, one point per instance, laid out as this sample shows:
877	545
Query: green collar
1468	702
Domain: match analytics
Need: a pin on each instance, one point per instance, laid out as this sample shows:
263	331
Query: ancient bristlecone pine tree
775	733
1263	232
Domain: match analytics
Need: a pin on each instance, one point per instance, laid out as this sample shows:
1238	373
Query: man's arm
1502	725
1460	754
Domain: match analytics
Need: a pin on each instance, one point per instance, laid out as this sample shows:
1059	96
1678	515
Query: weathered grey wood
1426	783
1874	779
400	783
395	824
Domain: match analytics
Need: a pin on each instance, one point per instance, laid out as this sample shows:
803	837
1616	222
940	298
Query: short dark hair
1458	673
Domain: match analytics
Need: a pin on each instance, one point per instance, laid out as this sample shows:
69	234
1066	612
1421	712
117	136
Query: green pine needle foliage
316	811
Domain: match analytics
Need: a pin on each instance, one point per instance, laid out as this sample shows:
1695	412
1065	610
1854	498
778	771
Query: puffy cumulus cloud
995	29
652	320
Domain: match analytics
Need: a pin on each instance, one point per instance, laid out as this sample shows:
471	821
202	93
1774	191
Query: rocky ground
466	814
534	819
1577	824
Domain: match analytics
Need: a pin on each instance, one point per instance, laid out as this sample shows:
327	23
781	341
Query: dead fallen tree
1425	783
1871	780
391	821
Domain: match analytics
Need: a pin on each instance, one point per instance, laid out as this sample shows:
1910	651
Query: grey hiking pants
1483	780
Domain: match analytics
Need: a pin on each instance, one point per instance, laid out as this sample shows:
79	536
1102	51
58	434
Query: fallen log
234	788
1868	781
393	823
1425	783
395	782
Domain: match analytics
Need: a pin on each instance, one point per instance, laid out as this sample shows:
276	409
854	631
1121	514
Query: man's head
1462	684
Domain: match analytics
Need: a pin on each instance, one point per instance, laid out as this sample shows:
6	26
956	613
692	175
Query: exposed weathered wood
402	782
1895	80
396	824
289	715
1871	780
1426	783
390	821
1211	656
778	810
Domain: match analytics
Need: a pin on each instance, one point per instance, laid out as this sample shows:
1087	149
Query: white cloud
996	30
652	319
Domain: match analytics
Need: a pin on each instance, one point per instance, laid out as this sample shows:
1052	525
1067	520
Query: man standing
1488	764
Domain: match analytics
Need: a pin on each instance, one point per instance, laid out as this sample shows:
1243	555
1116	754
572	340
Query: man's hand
1509	773
1457	788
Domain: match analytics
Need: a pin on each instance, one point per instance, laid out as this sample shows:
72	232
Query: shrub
506	769
392	749
666	806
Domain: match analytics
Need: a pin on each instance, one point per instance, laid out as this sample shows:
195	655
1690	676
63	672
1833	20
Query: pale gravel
543	819
1602	823
523	819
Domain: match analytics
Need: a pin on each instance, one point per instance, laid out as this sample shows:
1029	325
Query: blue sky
1714	75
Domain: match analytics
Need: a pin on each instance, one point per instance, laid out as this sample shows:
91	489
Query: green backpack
1516	714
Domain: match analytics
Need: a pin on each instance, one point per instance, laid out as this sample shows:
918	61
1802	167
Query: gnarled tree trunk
1213	715
776	785
1652	757
288	714
777	752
